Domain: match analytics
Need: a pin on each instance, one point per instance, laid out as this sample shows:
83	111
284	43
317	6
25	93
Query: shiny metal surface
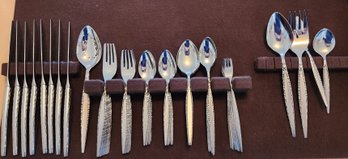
67	100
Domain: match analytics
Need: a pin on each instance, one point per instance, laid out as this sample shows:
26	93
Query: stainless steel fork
127	73
105	107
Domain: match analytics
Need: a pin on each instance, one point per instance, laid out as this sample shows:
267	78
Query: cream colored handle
210	121
126	123
189	113
147	118
326	84
168	123
302	96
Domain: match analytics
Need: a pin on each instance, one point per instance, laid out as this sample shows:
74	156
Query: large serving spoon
279	38
323	43
88	52
188	63
207	57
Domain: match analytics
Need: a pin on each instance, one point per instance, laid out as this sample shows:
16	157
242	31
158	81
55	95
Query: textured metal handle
126	123
50	109
58	116
210	120
84	119
24	116
302	97
317	79
168	123
15	113
66	119
235	133
189	113
43	115
4	120
104	125
147	118
32	112
326	84
289	102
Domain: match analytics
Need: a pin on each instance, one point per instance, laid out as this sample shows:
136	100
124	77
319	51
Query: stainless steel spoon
88	52
323	43
147	71
188	63
167	69
207	57
279	38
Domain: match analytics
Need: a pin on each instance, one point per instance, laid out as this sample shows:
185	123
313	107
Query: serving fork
105	107
127	73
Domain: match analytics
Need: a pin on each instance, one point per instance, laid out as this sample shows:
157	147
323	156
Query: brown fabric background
238	29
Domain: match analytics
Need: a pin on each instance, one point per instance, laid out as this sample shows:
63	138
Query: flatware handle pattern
4	121
147	118
66	119
43	115
235	133
303	101
50	109
289	103
189	113
24	116
168	123
58	116
104	125
15	113
84	119
32	112
326	84
126	123
210	121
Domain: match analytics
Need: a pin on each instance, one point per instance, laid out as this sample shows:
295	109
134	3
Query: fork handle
210	120
302	96
189	112
147	117
235	133
126	123
317	78
104	125
4	121
289	102
326	84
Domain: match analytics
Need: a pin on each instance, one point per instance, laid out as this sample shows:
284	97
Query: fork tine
128	59
298	21
122	59
113	54
104	53
132	58
305	20
109	54
290	19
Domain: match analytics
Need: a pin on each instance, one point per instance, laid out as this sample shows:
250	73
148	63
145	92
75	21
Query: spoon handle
126	123
233	120
289	102
147	117
104	125
66	119
210	120
168	118
189	113
84	119
326	84
302	96
4	121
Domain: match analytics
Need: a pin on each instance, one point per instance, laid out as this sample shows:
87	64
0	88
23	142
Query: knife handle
15	113
43	115
235	133
210	120
326	84
302	96
24	114
126	123
32	112
50	110
189	113
168	123
147	118
58	116
317	78
66	119
85	103
289	102
4	121
104	125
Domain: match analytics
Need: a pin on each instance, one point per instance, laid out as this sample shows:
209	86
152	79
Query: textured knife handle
32	112
126	123
66	119
104	125
24	116
289	103
50	110
4	120
84	119
58	116
326	85
15	113
302	97
189	113
168	123
147	118
43	115
318	79
210	121
233	120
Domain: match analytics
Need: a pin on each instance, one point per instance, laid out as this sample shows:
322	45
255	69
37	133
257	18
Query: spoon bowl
187	58
167	65
324	42
147	66
207	53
